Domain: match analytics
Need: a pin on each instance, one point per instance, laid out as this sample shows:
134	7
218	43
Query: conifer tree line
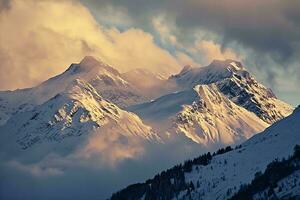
268	181
168	184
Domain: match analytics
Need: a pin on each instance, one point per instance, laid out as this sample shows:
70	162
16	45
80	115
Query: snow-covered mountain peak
216	71
213	118
91	65
203	114
245	91
221	175
105	79
238	85
79	110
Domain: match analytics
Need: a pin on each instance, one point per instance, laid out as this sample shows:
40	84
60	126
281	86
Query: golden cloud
211	50
39	39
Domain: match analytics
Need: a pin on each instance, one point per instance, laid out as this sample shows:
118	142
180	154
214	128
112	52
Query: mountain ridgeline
217	105
168	184
264	167
93	117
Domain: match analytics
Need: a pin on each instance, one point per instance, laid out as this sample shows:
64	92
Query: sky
39	39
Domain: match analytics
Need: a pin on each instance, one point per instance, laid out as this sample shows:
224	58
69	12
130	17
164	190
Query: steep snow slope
76	111
215	119
12	102
229	171
203	114
216	71
75	136
238	85
218	104
164	107
220	176
280	180
105	79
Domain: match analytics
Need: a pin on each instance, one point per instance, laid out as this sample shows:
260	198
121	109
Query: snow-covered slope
202	114
12	102
228	171
213	118
218	104
220	176
79	117
76	111
216	71
105	79
238	85
287	188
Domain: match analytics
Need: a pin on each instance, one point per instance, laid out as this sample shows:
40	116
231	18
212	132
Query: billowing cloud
209	50
39	169
267	31
110	148
41	38
271	25
164	28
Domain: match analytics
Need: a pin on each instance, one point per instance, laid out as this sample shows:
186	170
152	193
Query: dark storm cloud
267	31
270	26
267	26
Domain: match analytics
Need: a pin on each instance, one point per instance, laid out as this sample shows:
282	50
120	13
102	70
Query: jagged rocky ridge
218	104
106	80
221	175
214	105
76	111
84	112
234	81
213	118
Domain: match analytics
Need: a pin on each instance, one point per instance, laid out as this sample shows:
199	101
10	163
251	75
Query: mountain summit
91	117
264	167
216	71
77	111
221	103
90	64
105	79
236	83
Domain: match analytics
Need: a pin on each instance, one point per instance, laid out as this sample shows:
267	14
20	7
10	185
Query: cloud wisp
265	35
41	38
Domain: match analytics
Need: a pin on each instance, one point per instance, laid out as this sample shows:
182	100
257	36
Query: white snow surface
105	79
238	85
218	104
83	112
213	118
76	111
216	71
286	188
227	172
